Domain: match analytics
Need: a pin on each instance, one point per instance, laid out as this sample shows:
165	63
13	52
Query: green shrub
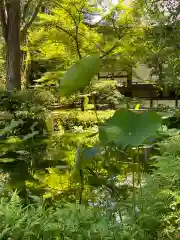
24	136
158	201
71	120
87	119
58	222
174	121
106	92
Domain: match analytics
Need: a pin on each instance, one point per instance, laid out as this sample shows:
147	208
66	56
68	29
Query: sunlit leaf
79	75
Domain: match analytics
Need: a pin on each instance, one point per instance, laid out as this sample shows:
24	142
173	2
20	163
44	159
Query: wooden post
151	102
176	102
129	84
151	99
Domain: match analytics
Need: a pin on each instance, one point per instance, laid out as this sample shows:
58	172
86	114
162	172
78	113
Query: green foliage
128	128
24	137
86	101
94	154
106	92
161	41
158	201
67	41
58	222
60	40
79	75
173	121
157	218
70	120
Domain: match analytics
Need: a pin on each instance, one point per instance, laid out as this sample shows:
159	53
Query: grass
90	115
86	115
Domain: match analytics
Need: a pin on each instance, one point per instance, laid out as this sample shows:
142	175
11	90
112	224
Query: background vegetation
75	161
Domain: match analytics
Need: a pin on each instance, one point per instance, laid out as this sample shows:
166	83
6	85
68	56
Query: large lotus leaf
129	128
79	75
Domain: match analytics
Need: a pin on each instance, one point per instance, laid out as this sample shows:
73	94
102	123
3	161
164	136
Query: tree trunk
13	72
14	34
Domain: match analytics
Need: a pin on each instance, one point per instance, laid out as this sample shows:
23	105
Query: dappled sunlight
90	120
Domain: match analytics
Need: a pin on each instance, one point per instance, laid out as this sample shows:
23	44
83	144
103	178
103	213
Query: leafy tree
15	22
65	41
58	44
162	40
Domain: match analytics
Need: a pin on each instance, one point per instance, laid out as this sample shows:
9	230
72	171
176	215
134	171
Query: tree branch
75	39
77	42
66	31
76	28
3	20
116	44
33	17
109	51
71	35
115	29
25	9
68	12
90	41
